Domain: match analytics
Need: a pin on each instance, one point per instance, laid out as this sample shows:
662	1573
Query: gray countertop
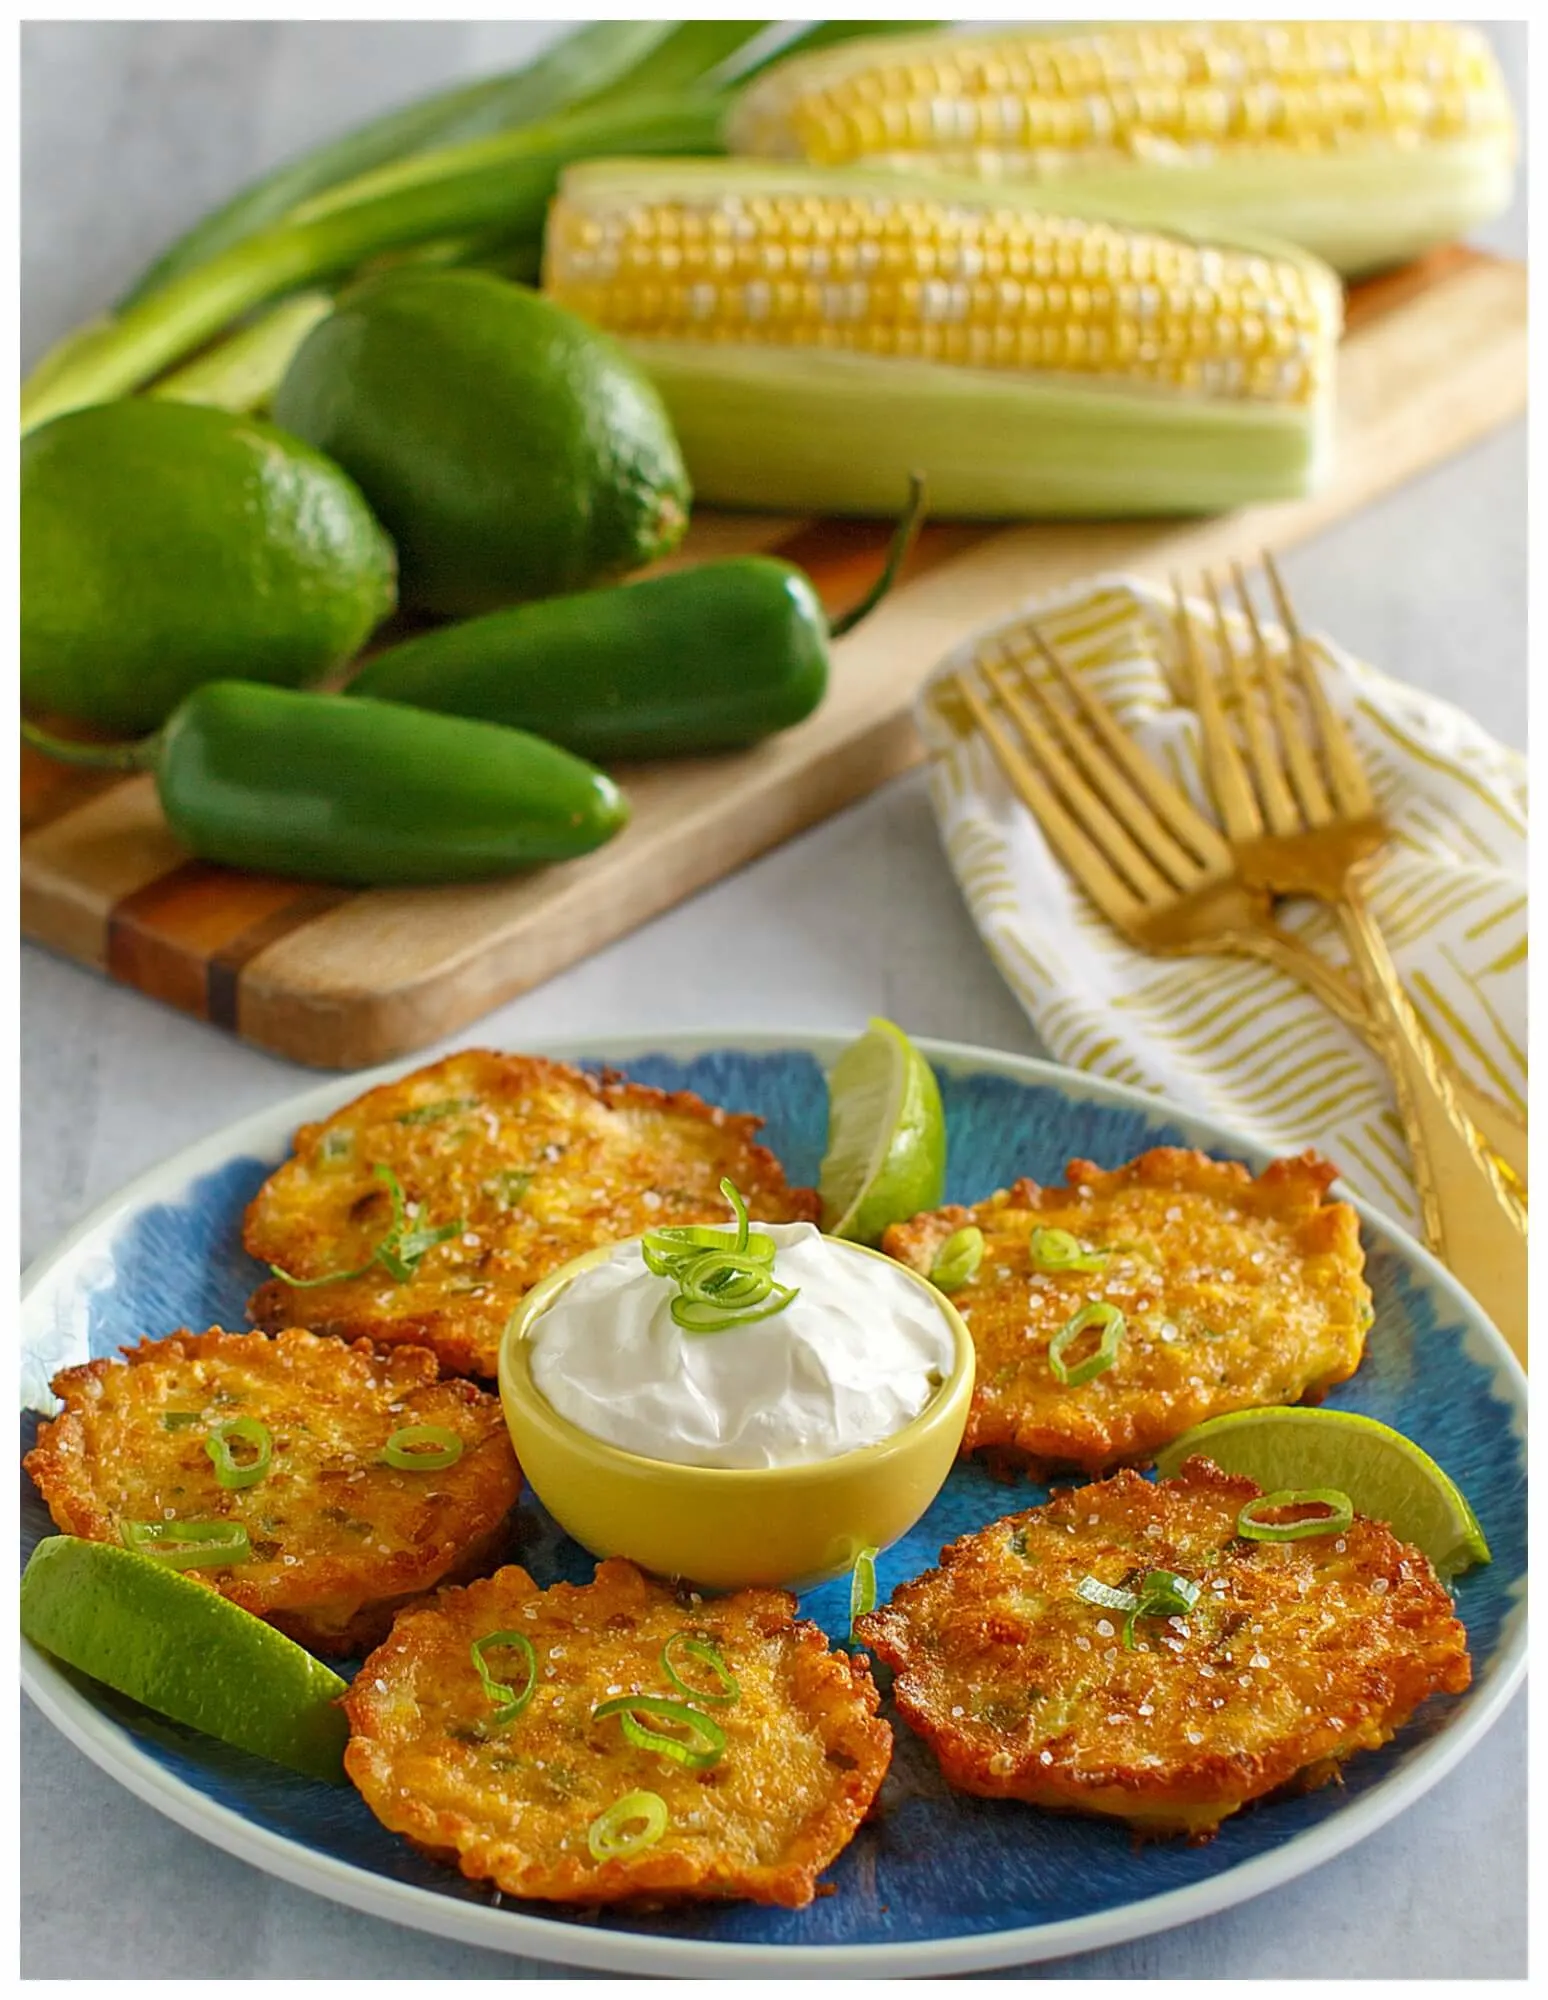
130	131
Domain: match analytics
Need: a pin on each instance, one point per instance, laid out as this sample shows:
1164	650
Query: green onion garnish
862	1587
179	1420
422	1448
1162	1594
230	1471
722	1280
188	1544
398	1252
609	1836
336	1145
1339	1515
686	1643
1058	1250
957	1261
508	1701
444	1107
706	1741
1098	1314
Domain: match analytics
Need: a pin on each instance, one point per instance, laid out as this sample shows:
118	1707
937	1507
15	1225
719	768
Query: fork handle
1503	1133
1472	1220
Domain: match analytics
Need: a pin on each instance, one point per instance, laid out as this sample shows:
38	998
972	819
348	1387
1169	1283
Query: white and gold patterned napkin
1232	1038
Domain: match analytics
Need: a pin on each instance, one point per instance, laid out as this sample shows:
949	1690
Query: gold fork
1157	870
1301	818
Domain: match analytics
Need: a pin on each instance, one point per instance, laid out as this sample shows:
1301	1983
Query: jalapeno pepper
360	792
701	659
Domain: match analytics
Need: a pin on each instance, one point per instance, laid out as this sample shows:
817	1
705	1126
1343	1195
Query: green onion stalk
500	183
464	177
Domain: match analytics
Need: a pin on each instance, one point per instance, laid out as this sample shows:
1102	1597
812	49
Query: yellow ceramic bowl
722	1526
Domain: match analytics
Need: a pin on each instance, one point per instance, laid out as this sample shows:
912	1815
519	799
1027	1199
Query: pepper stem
139	756
904	536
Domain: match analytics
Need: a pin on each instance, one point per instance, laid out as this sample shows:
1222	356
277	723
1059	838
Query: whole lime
511	450
165	544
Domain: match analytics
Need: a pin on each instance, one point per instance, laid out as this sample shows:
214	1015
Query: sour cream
854	1358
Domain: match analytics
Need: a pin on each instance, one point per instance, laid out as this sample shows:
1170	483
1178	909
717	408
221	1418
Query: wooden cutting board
1434	357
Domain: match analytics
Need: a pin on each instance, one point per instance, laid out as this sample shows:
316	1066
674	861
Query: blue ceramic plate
940	1883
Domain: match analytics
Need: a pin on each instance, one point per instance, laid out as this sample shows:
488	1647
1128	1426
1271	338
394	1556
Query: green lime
165	545
1387	1477
886	1157
512	451
182	1649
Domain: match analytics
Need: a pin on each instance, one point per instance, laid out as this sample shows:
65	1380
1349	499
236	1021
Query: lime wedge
1387	1477
185	1651
886	1157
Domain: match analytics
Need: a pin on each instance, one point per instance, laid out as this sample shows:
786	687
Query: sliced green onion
395	1230
188	1544
402	1258
1339	1515
508	1702
957	1261
508	1188
179	1420
422	1448
1058	1250
1105	1594
609	1837
1097	1314
231	1472
706	1743
444	1107
336	1146
399	1251
722	1280
1162	1594
729	1690
862	1587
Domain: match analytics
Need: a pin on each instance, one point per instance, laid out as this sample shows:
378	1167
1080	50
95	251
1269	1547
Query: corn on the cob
819	336
1363	141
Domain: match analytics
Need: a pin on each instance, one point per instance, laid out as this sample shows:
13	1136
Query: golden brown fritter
509	1166
513	1802
1235	1292
339	1539
1295	1655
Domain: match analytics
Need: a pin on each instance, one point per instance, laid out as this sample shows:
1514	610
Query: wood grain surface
1434	358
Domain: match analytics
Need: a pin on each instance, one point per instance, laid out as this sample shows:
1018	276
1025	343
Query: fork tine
1223	767
1084	861
1274	794
1350	785
1150	785
1316	808
1085	805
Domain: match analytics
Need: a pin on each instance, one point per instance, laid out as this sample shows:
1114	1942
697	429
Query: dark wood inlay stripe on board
223	986
185	937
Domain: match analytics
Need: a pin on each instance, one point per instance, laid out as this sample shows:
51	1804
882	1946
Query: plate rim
551	1941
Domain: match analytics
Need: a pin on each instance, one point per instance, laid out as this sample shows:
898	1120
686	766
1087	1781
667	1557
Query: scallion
188	1544
706	1741
636	1820
1338	1515
1058	1250
422	1448
233	1473
862	1588
1110	1323
689	1645
508	1701
957	1261
399	1251
723	1280
1162	1593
